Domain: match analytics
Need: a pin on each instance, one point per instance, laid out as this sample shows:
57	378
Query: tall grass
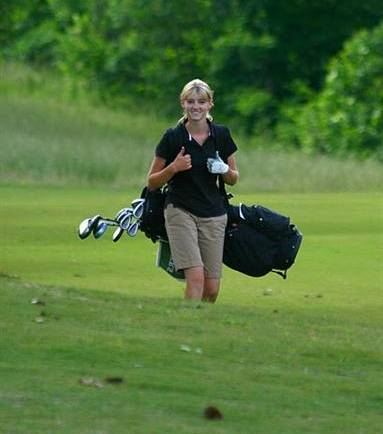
51	135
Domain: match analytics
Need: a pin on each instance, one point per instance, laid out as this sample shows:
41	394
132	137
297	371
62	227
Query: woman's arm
232	176
159	175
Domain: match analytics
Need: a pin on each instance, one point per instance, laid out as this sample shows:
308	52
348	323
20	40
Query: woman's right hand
182	162
160	174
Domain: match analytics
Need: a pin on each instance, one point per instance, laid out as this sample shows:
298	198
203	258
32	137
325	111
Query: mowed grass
296	356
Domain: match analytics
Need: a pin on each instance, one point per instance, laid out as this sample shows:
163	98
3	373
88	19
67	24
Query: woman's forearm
158	179
231	177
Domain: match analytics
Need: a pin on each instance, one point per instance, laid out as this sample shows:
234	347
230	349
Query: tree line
304	74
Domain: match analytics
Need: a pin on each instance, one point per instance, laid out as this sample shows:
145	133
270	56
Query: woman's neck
197	127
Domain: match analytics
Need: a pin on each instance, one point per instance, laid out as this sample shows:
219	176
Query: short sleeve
163	147
229	145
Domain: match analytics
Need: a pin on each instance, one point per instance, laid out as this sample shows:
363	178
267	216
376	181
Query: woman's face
196	106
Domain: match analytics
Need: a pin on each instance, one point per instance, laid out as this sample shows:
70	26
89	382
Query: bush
346	116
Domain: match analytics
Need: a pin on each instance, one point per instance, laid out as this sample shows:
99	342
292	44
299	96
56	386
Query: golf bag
259	240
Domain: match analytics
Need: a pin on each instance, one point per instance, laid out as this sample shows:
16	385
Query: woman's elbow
151	183
233	178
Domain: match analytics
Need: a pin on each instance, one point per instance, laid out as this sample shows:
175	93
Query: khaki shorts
196	241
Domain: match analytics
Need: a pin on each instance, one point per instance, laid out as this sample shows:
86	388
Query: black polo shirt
196	189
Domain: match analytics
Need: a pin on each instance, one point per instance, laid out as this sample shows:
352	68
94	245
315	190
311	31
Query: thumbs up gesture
182	162
216	165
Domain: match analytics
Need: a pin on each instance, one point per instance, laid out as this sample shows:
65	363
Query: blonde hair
201	88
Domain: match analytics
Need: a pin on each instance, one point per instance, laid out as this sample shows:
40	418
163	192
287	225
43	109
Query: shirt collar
211	129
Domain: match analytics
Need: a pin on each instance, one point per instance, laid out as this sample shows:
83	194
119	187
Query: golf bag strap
221	183
281	273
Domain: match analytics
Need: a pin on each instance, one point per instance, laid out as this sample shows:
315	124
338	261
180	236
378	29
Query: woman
195	216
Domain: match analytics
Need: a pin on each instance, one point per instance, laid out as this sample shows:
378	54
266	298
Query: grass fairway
306	358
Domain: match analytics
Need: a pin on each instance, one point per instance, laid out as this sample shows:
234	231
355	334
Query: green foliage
28	31
252	53
346	116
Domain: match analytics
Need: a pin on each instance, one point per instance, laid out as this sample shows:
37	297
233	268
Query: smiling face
196	105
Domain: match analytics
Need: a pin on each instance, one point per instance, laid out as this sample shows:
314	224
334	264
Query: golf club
83	229
93	222
138	208
100	229
97	225
117	234
133	228
121	212
125	220
87	226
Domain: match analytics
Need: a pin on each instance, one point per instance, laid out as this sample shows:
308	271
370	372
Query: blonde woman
189	158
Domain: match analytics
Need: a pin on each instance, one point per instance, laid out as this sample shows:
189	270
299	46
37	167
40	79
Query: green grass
277	357
49	138
305	359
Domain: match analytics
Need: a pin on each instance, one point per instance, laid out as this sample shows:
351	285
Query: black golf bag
259	240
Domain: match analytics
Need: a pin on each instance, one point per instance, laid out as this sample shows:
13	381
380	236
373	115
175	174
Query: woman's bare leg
211	289
194	283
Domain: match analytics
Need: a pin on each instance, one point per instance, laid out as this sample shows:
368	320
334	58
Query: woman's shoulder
174	134
220	129
223	136
176	129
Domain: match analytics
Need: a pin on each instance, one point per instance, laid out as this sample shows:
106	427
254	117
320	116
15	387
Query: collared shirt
196	189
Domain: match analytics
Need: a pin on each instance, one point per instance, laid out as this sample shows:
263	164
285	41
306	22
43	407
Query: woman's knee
194	276
211	289
194	282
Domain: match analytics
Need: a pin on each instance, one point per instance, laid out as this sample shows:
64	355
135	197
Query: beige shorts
196	241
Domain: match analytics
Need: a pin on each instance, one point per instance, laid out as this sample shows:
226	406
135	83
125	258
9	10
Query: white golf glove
216	165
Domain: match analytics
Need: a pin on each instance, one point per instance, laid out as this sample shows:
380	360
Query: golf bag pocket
165	261
248	251
153	220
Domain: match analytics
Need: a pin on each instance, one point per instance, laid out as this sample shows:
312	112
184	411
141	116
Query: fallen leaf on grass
37	302
90	381
212	413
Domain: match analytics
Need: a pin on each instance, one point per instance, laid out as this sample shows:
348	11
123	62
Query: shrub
346	116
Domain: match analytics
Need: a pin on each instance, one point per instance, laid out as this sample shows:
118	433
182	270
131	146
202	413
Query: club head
126	221
117	234
137	202
83	229
138	208
121	212
133	228
100	229
93	222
